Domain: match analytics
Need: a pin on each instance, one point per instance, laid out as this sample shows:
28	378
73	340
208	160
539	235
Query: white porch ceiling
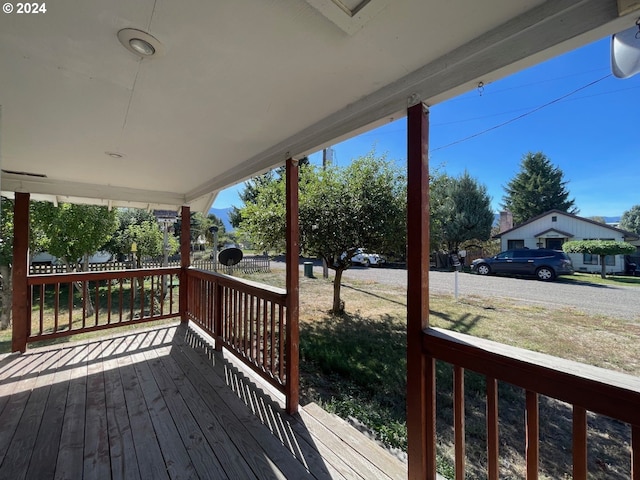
243	84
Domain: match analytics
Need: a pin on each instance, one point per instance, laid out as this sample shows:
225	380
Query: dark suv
544	264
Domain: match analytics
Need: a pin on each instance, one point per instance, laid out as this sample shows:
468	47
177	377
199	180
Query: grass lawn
614	280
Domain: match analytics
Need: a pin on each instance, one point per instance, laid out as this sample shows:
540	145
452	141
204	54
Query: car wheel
545	274
483	269
365	262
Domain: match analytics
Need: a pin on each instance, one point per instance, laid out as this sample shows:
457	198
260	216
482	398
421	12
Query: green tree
341	210
6	260
149	239
253	186
630	220
537	188
464	212
73	233
120	242
602	248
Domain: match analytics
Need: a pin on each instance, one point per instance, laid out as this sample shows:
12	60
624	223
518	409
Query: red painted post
420	370
293	288
185	260
21	311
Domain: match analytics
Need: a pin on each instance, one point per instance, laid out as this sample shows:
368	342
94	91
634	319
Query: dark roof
560	212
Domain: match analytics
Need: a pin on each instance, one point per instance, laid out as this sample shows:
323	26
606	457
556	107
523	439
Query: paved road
615	301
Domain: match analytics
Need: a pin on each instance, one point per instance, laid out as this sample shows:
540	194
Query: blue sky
593	135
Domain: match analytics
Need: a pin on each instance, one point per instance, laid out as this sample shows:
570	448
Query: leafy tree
630	220
6	260
341	210
602	248
438	186
120	242
464	211
253	186
537	188
74	232
149	239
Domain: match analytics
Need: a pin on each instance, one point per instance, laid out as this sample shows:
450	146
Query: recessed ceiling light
142	47
114	154
140	43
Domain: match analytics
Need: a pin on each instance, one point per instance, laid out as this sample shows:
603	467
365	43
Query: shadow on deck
161	403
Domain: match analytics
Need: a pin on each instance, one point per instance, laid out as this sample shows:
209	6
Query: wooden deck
161	403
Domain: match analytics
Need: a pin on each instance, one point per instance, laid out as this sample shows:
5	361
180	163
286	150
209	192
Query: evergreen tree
630	220
537	188
467	212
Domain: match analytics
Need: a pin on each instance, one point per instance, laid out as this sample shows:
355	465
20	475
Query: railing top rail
599	390
51	278
254	288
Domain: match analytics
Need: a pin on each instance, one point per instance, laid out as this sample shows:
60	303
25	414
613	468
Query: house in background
551	229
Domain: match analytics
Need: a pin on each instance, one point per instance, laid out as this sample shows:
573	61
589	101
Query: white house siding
565	224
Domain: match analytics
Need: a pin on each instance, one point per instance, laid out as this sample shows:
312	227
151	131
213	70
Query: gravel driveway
614	301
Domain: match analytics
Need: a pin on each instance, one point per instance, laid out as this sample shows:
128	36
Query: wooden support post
185	260
293	288
21	308
420	370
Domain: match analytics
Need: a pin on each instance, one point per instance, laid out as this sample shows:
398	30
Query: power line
530	112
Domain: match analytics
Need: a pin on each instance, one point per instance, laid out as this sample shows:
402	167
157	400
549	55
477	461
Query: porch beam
293	287
20	309
185	259
420	370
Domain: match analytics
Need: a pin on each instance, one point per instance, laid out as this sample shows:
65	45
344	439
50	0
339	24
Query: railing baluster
56	306
532	433
281	339
458	407
121	299
83	294
265	333
97	301
579	443
70	303
273	337
142	299
492	428
41	306
109	304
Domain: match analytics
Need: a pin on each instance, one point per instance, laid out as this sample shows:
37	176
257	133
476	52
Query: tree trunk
338	304
83	289
603	267
7	297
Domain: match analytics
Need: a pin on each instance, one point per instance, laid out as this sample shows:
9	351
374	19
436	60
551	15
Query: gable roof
570	215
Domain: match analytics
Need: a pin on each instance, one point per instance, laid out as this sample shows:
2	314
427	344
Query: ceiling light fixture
140	43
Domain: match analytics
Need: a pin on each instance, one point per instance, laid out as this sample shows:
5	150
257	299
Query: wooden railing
585	388
72	303
247	318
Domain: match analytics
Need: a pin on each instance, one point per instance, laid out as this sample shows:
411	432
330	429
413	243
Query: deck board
161	403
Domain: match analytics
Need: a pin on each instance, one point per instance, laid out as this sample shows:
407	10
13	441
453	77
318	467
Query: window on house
589	259
554	218
515	244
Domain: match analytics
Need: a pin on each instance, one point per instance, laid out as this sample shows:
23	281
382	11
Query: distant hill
223	214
